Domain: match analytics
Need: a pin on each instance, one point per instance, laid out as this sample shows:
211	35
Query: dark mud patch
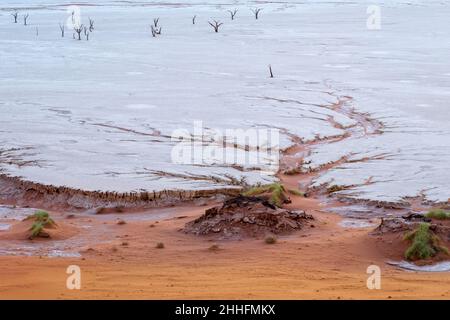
242	217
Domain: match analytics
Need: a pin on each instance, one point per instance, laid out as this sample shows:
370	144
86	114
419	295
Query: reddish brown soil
326	261
322	261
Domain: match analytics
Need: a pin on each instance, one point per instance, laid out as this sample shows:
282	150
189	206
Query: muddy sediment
15	191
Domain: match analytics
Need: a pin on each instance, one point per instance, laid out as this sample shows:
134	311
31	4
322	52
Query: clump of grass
335	188
296	192
276	190
439	214
425	244
270	240
214	248
160	245
41	220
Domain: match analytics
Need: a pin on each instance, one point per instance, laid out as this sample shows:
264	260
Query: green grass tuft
41	220
277	193
296	192
425	244
439	214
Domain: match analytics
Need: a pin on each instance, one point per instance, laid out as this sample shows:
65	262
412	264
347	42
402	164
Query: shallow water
438	267
98	115
356	223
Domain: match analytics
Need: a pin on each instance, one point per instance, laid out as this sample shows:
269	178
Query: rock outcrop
247	217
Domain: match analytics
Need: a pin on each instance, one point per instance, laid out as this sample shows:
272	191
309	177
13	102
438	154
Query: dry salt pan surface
99	114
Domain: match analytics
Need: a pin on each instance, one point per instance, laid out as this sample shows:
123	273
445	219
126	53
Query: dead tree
193	19
15	15
270	71
85	29
78	30
155	31
155	22
256	12
25	18
62	28
87	36
91	25
216	25
233	13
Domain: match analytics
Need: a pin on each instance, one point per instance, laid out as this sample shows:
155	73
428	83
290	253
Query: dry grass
425	244
439	214
276	190
270	240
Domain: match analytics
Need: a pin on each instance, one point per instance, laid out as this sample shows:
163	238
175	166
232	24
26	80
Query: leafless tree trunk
233	13
270	71
256	12
85	29
78	31
155	31
154	28
193	19
91	25
216	25
15	15
25	18
61	27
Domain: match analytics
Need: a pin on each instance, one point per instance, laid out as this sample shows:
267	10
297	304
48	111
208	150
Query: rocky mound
247	216
414	237
410	222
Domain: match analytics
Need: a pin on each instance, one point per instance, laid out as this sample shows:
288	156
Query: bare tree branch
15	15
25	18
270	71
233	13
62	28
193	19
79	30
256	12
91	25
216	25
155	31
